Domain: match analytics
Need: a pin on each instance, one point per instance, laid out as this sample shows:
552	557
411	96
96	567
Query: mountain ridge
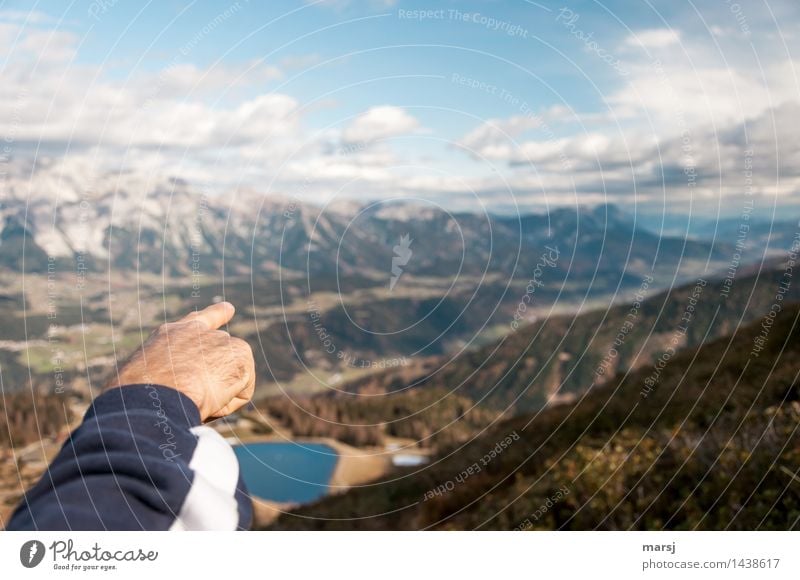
171	223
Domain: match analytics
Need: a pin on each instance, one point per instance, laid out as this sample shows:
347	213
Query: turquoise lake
287	472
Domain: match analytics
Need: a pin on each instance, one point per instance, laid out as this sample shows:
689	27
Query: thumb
212	316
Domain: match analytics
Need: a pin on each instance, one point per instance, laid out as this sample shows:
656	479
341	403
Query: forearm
139	461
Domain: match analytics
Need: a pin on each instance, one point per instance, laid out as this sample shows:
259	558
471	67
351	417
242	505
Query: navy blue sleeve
140	460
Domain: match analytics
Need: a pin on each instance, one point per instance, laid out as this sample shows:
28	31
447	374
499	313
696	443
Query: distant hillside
759	231
709	442
31	416
431	417
557	358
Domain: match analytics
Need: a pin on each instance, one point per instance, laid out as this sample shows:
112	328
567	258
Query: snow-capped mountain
153	224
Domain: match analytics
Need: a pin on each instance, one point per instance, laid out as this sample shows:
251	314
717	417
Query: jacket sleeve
139	461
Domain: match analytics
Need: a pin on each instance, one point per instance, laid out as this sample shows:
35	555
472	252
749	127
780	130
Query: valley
490	319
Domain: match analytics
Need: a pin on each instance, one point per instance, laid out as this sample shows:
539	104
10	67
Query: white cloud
26	46
711	162
674	95
496	132
170	122
492	137
45	100
300	61
654	38
380	123
183	79
173	123
29	16
683	124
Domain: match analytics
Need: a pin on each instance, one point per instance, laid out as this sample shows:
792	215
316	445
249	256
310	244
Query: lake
287	472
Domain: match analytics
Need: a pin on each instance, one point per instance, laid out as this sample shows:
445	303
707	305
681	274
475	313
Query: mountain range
172	227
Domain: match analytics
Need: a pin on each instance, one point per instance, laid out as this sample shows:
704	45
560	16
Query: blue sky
505	104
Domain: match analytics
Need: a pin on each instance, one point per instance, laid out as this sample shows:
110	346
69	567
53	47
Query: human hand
192	355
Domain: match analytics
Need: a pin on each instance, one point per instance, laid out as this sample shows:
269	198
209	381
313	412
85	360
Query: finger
237	401
250	386
248	377
249	362
243	388
233	406
212	316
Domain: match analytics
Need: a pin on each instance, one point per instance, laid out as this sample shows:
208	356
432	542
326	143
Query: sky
666	106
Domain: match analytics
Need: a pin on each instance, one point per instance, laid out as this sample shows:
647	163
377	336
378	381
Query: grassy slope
562	353
713	446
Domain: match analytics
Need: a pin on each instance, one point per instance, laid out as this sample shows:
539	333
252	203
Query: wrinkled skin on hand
192	355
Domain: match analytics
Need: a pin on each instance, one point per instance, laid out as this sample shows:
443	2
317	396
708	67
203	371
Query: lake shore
354	467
